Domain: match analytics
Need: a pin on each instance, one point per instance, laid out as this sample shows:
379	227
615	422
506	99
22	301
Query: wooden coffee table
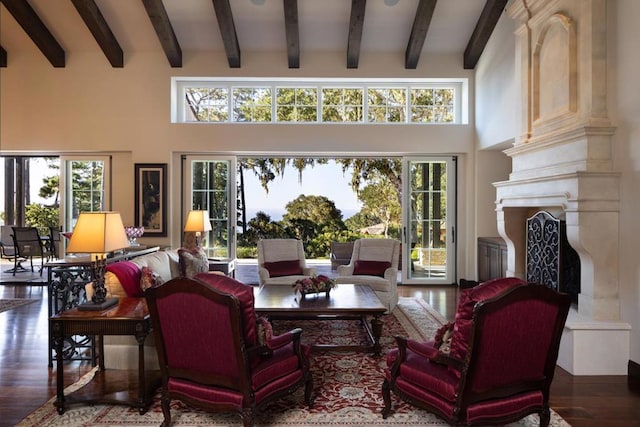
345	302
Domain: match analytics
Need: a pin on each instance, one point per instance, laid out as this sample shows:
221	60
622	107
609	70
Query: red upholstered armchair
500	362
210	358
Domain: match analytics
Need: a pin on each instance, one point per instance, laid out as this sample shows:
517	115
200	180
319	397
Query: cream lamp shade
197	221
98	233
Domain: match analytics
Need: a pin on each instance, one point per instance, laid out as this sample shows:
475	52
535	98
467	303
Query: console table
129	317
66	279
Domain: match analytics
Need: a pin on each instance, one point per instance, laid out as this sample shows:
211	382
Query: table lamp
98	233
197	222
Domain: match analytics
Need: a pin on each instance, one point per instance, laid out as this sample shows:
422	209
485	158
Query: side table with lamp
67	278
100	233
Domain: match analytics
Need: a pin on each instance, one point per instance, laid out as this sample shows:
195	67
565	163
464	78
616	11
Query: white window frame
66	207
460	87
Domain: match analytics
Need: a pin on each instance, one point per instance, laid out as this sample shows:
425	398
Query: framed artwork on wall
151	198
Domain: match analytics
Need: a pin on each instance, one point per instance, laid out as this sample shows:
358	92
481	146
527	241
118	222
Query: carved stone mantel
562	163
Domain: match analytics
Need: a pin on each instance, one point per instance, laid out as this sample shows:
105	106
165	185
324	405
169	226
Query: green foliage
380	200
320	245
308	216
261	227
361	220
42	217
247	252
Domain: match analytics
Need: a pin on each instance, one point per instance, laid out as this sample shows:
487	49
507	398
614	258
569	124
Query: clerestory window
351	101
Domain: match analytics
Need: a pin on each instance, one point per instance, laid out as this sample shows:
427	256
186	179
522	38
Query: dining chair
28	245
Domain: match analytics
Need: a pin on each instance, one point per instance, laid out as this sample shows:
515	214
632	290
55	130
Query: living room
89	108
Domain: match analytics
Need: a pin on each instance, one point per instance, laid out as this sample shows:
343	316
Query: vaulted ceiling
422	29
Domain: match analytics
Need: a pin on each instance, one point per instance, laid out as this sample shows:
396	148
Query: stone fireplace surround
562	163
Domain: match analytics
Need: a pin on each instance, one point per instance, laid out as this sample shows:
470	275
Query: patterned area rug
8	304
347	386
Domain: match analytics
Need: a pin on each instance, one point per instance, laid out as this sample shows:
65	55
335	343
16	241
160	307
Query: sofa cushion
128	275
164	263
193	261
111	283
283	268
149	279
370	268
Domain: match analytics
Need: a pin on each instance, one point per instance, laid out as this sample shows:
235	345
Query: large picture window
369	101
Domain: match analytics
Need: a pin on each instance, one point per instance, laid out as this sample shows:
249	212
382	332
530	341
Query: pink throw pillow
128	274
283	268
371	268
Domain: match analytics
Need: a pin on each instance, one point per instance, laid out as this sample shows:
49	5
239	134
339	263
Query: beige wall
624	110
90	107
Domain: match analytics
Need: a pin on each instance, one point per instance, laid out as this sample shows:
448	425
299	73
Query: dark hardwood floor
26	382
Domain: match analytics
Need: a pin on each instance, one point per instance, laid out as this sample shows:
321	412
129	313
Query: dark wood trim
3	57
162	25
24	14
228	31
293	33
421	23
633	372
485	26
97	25
356	25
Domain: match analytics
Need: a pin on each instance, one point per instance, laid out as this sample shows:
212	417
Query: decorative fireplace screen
551	261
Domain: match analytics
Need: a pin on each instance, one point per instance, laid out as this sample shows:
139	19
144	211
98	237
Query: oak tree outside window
207	104
297	104
342	105
387	105
252	104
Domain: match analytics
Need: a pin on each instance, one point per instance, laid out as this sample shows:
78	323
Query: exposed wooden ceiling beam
485	26
228	31
24	14
356	25
160	20
3	57
293	32
421	23
95	22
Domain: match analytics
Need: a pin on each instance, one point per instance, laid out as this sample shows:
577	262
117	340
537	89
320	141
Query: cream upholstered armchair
374	262
282	262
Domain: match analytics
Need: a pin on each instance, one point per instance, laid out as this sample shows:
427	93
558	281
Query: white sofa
121	352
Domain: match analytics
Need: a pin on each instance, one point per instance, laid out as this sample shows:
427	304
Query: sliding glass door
429	220
86	187
210	185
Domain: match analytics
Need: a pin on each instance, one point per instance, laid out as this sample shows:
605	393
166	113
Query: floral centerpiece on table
314	285
133	233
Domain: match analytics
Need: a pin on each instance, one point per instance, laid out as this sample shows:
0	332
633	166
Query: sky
321	180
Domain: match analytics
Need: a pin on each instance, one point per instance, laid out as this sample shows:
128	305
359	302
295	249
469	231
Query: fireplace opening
551	260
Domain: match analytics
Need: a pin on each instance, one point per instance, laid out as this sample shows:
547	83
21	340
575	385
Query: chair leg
166	410
308	390
545	417
386	397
